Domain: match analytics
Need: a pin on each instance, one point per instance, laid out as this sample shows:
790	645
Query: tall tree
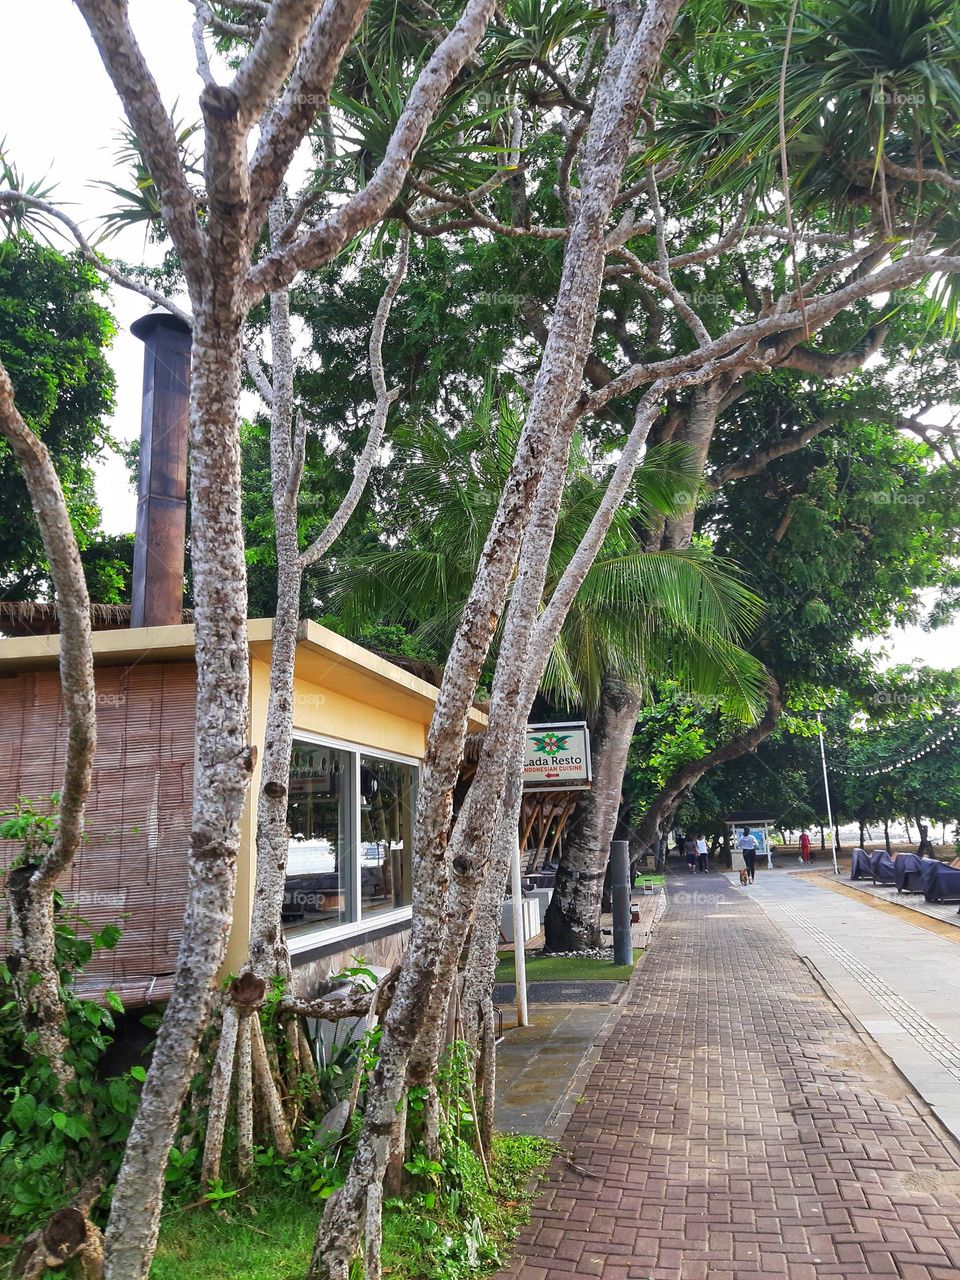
887	111
842	538
54	337
32	880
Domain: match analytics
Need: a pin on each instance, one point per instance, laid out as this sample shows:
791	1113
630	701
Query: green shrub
52	1146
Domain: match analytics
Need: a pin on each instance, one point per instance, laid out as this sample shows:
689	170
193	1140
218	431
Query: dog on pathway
744	877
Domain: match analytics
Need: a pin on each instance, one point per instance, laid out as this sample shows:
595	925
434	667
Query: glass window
319	884
387	799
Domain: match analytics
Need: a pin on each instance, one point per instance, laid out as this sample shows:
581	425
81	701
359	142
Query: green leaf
23	1112
107	938
72	1126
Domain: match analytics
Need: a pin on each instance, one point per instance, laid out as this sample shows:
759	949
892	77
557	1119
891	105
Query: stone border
573	991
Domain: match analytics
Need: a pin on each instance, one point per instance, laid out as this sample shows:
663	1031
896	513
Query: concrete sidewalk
900	981
737	1124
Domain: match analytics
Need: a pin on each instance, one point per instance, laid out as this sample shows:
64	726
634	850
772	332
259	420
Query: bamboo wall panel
132	868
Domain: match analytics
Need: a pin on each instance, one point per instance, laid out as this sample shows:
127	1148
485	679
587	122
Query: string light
897	764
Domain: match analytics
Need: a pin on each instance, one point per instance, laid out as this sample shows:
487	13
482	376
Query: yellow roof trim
176	643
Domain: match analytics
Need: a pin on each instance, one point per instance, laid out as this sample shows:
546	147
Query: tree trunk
696	433
823	840
30	886
836	836
480	966
449	866
886	834
224	761
572	922
268	949
652	824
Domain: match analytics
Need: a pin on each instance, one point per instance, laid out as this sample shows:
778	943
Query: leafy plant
50	1146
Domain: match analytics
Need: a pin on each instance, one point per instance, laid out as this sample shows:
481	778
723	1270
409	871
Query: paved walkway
737	1125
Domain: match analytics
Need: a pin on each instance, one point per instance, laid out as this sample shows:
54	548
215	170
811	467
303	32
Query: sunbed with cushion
860	868
908	869
884	871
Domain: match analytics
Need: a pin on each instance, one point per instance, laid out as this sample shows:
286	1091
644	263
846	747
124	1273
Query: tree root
220	1082
68	1235
245	1099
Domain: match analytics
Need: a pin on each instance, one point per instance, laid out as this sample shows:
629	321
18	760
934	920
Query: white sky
60	115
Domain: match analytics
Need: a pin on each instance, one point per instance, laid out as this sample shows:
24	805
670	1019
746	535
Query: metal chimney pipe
158	552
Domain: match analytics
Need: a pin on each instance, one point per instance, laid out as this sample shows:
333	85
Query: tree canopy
55	334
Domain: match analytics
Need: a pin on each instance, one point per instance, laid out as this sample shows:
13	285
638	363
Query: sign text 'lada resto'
557	756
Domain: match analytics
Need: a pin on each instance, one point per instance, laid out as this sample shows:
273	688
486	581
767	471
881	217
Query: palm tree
639	618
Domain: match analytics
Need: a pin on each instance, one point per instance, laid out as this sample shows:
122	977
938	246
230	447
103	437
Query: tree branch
385	399
325	240
936	176
818	311
90	254
821	365
663	284
110	27
267	65
258	374
691	772
306	95
475	217
754	463
73	608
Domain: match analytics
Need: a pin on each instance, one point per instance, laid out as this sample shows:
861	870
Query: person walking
690	847
703	854
804	847
748	847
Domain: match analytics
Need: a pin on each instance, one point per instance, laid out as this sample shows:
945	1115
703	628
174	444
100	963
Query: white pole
826	791
519	955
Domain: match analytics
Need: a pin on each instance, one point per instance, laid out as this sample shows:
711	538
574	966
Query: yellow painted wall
321	709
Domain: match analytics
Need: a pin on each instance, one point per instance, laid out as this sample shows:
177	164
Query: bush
50	1146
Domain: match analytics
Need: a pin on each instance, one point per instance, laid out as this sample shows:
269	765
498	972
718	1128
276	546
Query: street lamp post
826	791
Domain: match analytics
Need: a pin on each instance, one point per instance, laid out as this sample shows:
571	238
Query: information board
557	757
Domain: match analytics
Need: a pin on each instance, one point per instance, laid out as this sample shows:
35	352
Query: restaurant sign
557	756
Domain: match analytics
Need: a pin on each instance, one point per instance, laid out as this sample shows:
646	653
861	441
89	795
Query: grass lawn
564	969
648	877
268	1235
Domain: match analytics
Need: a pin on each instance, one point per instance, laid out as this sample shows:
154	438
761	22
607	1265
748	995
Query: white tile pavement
900	981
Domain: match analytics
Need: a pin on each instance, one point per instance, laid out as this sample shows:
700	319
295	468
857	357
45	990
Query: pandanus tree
846	117
640	617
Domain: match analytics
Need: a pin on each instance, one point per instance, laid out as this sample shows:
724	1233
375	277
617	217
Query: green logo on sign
550	744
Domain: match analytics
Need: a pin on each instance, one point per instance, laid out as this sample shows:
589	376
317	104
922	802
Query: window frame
309	938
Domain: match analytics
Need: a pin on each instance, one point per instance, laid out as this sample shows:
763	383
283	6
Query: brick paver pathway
737	1126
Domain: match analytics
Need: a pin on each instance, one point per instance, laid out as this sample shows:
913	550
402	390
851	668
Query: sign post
621	891
826	792
519	952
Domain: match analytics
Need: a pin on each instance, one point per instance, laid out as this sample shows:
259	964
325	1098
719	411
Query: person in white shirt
703	854
748	846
